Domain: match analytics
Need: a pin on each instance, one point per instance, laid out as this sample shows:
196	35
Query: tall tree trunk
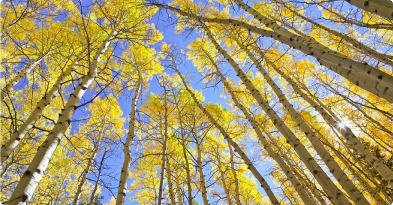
178	190
125	170
18	77
93	193
243	155
236	180
87	169
367	77
322	178
13	142
334	168
169	177
222	177
199	163
164	148
184	149
382	8
355	43
292	178
32	176
346	132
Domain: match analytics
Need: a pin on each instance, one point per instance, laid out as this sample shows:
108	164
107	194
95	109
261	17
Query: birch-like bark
178	191
222	177
323	179
243	155
380	7
355	43
14	140
334	168
345	131
289	174
354	69
319	51
165	140
87	169
235	179
6	89
125	170
184	149
199	163
359	177
169	177
32	176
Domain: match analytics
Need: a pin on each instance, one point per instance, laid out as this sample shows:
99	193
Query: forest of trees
196	102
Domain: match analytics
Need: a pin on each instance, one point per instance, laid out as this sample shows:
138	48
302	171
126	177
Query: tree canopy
196	102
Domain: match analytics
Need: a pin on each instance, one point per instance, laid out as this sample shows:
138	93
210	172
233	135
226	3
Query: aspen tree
222	174
13	142
87	169
18	77
355	43
361	74
382	8
199	161
169	179
311	164
32	176
248	162
183	143
164	141
334	168
125	170
346	132
237	193
299	188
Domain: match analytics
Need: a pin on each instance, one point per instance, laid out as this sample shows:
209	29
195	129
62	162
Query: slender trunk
184	149
355	43
32	176
200	167
169	177
322	178
346	132
237	192
18	77
360	178
13	142
366	73
125	170
93	193
87	169
334	168
243	155
319	51
380	7
222	177
298	187
165	136
178	191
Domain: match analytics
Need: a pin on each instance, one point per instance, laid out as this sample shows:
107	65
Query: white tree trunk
382	8
353	68
334	168
289	174
346	132
323	179
243	155
125	170
18	77
87	169
32	176
14	140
